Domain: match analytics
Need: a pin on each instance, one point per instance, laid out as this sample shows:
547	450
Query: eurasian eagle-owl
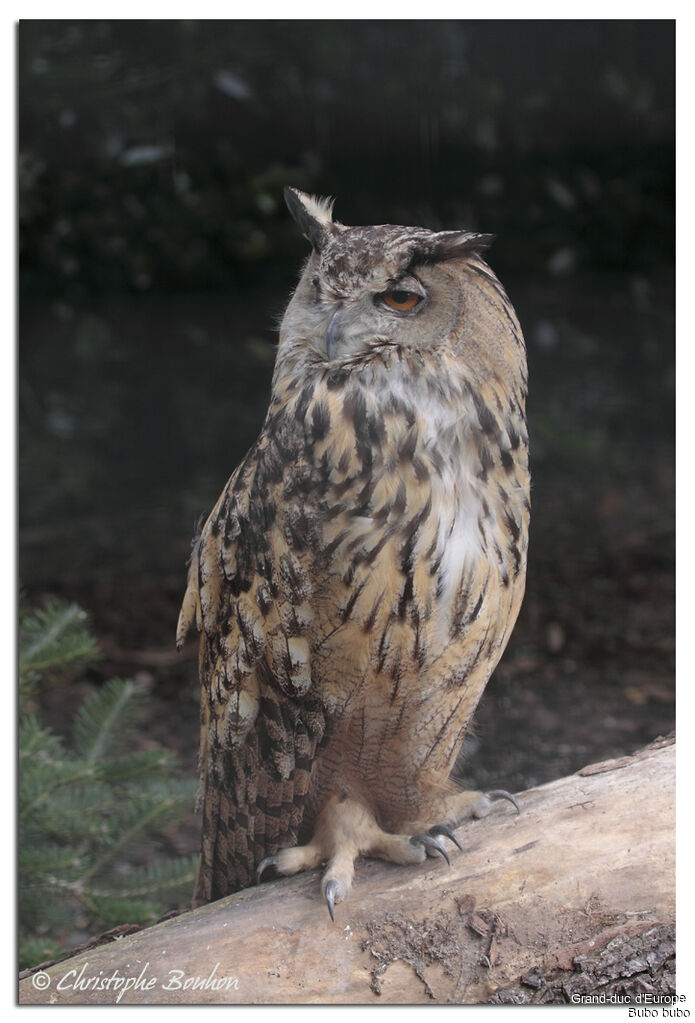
358	579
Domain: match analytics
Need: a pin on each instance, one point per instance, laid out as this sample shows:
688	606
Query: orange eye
401	300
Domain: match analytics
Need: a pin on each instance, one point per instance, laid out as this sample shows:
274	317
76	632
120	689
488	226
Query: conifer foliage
90	810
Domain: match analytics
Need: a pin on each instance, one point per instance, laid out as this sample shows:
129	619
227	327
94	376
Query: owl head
373	286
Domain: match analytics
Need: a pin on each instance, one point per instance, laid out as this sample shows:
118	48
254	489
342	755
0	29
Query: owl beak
334	334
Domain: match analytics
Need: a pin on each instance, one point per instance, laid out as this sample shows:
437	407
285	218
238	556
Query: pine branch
135	766
84	811
142	823
147	881
73	776
105	720
54	638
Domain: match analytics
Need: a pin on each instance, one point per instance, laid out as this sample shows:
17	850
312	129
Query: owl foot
483	804
345	830
459	807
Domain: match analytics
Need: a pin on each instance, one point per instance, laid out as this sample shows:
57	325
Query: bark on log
575	896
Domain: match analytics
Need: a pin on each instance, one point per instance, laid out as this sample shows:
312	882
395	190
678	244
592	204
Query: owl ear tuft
450	244
313	216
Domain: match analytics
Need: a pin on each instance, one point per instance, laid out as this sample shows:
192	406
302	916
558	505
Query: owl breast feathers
358	579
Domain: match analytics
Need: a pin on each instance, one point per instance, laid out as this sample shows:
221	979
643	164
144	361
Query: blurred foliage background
156	256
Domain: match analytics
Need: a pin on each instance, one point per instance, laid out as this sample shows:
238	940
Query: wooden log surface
588	865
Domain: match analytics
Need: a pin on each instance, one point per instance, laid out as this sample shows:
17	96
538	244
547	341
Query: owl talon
429	841
329	894
269	861
503	794
441	829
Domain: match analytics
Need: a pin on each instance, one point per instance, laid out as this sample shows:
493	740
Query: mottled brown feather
358	579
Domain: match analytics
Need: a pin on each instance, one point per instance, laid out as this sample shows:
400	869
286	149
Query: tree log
574	897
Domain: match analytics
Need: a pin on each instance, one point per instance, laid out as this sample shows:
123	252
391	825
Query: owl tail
249	812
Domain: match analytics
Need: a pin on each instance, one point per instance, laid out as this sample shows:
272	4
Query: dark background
156	257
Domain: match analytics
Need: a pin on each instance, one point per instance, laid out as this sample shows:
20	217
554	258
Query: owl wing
249	593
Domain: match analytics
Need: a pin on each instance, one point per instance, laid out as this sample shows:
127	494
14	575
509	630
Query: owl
358	579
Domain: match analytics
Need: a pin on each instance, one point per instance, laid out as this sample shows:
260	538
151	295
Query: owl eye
401	300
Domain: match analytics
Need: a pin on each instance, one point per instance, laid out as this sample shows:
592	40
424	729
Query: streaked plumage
359	577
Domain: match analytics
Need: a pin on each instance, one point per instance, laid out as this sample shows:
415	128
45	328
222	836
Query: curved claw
433	843
441	829
503	794
331	889
269	861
